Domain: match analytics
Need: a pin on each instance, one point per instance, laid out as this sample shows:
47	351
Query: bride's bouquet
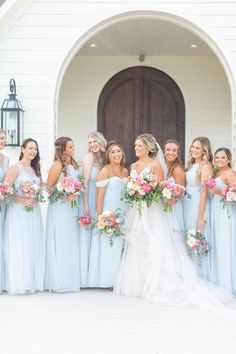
110	224
33	191
172	192
67	186
197	243
143	188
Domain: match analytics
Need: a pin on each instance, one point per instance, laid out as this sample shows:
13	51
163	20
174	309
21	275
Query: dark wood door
141	100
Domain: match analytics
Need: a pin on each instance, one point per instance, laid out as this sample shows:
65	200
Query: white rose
59	187
35	187
44	195
191	232
166	193
191	241
129	185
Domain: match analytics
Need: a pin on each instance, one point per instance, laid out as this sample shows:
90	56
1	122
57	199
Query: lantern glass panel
10	125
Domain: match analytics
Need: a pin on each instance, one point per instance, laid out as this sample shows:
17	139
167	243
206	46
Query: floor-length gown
223	242
155	265
62	244
191	208
3	170
86	234
104	259
24	242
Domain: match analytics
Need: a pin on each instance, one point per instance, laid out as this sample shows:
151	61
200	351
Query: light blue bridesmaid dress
86	234
178	212
105	260
62	244
191	208
223	242
24	242
3	170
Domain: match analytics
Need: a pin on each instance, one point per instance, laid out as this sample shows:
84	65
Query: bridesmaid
196	209
104	259
4	164
223	225
62	231
175	174
92	164
24	242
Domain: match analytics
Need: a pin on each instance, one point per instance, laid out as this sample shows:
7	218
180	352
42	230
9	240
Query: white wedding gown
155	264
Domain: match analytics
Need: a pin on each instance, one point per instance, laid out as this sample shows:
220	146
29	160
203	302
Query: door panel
138	100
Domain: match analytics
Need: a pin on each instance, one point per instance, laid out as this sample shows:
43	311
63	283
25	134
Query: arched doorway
141	99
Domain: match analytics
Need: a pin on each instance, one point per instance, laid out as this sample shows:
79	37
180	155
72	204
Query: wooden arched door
141	100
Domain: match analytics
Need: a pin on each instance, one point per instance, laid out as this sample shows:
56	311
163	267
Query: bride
155	264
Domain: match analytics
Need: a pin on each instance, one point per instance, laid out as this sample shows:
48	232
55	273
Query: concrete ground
97	321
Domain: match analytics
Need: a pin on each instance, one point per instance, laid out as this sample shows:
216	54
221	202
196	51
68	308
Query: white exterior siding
37	37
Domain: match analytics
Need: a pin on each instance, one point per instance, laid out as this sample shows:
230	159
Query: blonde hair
150	143
60	147
103	143
207	156
178	160
2	131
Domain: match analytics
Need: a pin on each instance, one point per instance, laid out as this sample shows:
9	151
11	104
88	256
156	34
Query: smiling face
30	150
196	150
140	148
70	149
171	152
3	140
221	159
115	154
94	146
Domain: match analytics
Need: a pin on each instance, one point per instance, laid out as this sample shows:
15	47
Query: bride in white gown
155	264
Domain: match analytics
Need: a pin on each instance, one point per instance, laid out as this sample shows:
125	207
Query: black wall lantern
12	117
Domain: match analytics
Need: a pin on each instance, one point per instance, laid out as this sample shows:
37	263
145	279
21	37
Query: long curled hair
35	163
60	147
150	143
228	154
207	157
177	161
110	145
103	143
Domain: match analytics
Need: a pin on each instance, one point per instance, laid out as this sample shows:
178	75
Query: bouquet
33	191
110	223
172	191
7	193
141	189
209	183
86	221
197	242
229	195
67	186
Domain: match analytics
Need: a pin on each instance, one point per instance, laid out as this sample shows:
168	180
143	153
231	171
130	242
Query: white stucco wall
202	81
38	38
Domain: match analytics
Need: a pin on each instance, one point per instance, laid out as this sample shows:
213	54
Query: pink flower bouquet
110	223
229	195
67	186
7	193
197	243
86	221
33	191
172	192
209	183
141	189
